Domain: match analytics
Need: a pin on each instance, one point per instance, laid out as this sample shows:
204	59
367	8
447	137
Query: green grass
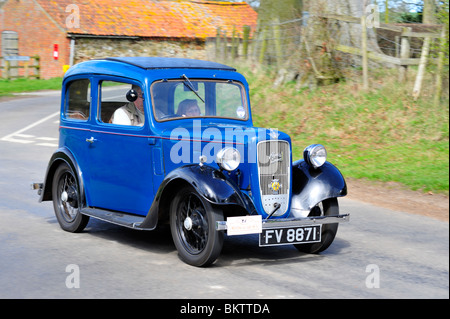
8	87
380	135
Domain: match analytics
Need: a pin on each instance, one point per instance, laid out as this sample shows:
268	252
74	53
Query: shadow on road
237	250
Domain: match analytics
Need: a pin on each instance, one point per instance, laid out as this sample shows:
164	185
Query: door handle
91	140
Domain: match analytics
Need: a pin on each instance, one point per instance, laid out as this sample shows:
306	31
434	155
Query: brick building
64	32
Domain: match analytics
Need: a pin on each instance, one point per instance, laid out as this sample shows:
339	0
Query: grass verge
8	87
380	135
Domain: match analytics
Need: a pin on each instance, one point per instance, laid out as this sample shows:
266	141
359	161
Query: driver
188	108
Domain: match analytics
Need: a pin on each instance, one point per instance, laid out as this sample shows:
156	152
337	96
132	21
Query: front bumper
294	222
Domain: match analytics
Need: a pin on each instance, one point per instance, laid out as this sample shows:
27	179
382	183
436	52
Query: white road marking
24	135
18	137
47	144
10	139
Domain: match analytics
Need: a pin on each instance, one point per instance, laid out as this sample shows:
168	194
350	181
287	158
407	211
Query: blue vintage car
147	141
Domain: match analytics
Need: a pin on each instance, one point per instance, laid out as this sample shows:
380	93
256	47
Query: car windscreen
193	98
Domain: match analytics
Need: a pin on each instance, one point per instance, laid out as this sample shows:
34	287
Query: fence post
263	46
224	45
245	41
37	66
7	69
25	72
397	46
440	67
277	39
422	65
404	54
217	48
234	44
255	43
365	58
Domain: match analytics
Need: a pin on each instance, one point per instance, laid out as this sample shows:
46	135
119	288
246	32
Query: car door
120	174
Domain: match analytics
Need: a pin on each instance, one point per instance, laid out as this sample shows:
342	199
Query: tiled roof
147	18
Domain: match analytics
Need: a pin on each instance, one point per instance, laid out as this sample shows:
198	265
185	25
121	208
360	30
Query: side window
78	100
115	108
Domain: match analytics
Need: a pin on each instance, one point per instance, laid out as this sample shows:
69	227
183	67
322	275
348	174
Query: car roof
139	68
170	63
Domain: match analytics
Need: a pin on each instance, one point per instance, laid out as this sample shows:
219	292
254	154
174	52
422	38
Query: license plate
291	235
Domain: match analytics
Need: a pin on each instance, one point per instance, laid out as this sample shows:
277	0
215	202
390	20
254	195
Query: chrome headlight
228	158
315	155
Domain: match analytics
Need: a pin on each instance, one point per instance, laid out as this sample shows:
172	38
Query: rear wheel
192	224
327	207
66	200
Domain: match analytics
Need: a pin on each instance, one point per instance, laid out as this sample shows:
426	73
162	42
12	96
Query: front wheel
192	224
66	200
327	207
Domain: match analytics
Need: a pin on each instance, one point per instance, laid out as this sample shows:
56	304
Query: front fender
311	186
210	183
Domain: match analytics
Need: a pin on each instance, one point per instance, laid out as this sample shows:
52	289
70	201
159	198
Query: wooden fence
12	68
402	60
268	37
228	47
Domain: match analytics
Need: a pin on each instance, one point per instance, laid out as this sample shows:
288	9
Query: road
379	254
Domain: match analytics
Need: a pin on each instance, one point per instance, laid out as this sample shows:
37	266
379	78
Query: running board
118	218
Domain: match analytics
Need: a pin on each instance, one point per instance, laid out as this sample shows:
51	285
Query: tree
344	32
429	11
334	23
283	10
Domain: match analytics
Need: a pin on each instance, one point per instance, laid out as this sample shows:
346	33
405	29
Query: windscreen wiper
188	83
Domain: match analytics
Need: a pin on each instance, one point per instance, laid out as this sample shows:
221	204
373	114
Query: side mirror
132	95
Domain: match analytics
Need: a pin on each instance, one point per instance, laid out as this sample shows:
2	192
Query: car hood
229	134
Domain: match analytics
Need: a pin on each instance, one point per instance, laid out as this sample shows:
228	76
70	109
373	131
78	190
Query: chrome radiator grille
274	175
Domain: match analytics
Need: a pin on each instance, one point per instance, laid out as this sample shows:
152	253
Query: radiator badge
275	186
275	157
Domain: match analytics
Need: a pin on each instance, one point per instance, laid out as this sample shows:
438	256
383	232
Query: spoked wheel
66	200
327	207
192	223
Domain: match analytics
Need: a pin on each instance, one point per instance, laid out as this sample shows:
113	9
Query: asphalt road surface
379	254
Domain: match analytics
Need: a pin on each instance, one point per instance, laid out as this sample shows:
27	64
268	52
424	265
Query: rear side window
78	100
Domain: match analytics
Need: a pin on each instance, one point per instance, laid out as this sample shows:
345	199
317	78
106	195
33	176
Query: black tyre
66	200
192	224
327	207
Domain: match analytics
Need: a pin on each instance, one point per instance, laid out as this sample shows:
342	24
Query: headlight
315	155
228	158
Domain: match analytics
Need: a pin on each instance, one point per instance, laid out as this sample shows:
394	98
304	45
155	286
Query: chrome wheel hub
188	223
64	197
